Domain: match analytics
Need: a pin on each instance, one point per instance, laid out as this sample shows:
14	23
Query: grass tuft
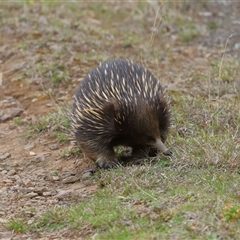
17	226
57	123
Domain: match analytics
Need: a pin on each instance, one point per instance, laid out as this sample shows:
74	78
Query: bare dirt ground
35	175
27	166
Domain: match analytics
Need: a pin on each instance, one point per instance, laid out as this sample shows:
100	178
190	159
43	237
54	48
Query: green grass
16	226
232	213
153	202
18	121
188	32
74	151
57	73
56	123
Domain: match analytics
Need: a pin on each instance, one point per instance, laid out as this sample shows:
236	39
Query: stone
32	153
4	118
54	146
71	179
12	172
55	178
86	175
4	156
39	158
31	195
16	112
29	146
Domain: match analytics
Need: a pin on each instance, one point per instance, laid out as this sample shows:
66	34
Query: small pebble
5	155
31	195
55	178
30	221
32	153
12	172
4	118
29	146
54	146
71	179
27	182
40	158
64	193
2	213
47	194
88	182
40	190
16	112
15	164
86	175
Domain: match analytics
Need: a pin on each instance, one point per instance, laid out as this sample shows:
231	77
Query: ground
45	51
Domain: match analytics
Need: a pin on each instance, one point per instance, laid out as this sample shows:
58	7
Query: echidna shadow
120	103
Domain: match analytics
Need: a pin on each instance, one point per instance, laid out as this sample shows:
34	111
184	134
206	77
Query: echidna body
119	103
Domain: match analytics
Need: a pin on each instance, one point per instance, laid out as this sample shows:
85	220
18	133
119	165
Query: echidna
119	103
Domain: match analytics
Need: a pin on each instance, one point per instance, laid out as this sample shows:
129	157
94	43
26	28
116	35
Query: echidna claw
168	153
100	164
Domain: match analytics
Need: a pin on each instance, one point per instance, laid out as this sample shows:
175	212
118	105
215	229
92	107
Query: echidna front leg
103	156
107	159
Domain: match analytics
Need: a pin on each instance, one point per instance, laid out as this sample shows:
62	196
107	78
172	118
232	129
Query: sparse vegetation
232	213
212	25
193	195
188	33
73	151
18	121
17	226
57	123
57	73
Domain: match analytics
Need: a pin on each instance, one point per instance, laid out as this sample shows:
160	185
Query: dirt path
34	173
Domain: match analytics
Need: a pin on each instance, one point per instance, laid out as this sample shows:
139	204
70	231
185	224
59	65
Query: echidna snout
119	103
159	145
